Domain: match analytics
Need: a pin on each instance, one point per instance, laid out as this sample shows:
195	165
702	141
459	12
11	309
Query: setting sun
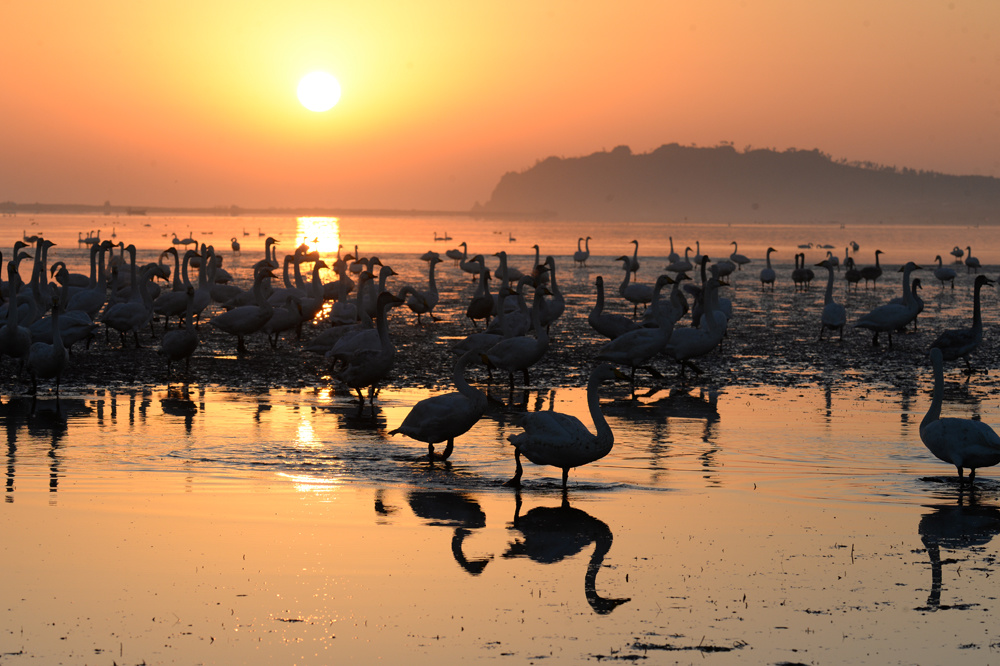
319	91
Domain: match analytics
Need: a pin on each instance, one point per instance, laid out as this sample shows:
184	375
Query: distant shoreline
10	208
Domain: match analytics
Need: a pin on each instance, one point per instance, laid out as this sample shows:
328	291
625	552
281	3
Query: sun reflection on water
319	233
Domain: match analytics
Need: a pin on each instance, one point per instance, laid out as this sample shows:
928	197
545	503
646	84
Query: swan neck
934	411
828	298
605	437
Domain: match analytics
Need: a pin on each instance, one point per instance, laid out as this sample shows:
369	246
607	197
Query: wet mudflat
245	510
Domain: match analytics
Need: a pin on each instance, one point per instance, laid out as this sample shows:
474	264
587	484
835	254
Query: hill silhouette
721	184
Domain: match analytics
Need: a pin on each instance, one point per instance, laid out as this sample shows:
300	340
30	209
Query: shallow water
218	516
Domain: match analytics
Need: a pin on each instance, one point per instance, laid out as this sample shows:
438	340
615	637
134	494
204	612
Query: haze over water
799	518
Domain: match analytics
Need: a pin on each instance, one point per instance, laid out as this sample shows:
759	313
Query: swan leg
565	478
448	448
515	482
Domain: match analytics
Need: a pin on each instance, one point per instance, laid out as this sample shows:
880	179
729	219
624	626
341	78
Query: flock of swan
683	318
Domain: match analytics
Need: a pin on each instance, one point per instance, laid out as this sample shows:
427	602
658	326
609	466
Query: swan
471	266
235	244
737	258
834	315
958	253
801	276
481	305
552	308
457	255
892	316
15	340
689	343
872	273
633	263
181	343
422	302
637	348
681	265
286	316
767	274
554	533
581	256
74	325
561	440
247	319
366	368
971	263
607	324
944	273
48	360
834	261
961	442
696	260
961	342
136	312
173	303
522	351
637	294
672	256
442	418
851	274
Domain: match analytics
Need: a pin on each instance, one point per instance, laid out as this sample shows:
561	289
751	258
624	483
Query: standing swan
444	417
960	342
872	273
971	263
633	263
767	275
944	273
561	440
737	258
961	442
581	256
834	315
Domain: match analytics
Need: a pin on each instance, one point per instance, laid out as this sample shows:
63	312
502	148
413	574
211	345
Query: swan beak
619	374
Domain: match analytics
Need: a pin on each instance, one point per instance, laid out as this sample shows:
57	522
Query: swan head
981	280
908	266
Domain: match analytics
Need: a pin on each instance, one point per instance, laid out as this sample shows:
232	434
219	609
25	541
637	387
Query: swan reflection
178	402
551	534
961	526
44	420
452	509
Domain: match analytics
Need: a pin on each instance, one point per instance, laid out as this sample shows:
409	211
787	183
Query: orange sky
193	103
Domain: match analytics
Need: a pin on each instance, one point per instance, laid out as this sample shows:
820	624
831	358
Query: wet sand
246	512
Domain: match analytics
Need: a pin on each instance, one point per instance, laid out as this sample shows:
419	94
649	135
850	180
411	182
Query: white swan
891	316
561	440
672	256
552	308
834	315
681	265
637	348
482	304
581	256
633	262
690	343
971	263
635	293
767	274
367	368
48	360
961	442
737	258
961	342
607	324
944	273
442	418
423	302
872	273
521	352
180	344
247	319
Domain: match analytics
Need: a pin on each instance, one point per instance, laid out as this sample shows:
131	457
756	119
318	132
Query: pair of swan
581	256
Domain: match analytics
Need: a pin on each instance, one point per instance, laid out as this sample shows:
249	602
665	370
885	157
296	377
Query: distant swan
944	273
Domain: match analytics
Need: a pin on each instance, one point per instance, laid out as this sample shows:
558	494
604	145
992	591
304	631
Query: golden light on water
319	233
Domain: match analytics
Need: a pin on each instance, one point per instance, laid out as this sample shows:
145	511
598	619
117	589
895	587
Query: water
194	519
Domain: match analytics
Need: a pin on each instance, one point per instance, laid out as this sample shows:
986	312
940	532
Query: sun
319	91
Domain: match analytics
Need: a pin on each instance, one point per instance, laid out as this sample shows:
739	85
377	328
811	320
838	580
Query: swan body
247	319
520	352
637	348
767	274
368	367
45	360
607	324
872	273
834	315
690	343
581	256
442	418
423	302
971	263
679	265
892	316
180	344
961	342
635	293
737	258
944	273
965	443
562	440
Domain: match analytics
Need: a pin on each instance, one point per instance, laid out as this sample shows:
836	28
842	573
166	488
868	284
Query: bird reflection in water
961	526
44	420
551	534
683	403
178	402
451	509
